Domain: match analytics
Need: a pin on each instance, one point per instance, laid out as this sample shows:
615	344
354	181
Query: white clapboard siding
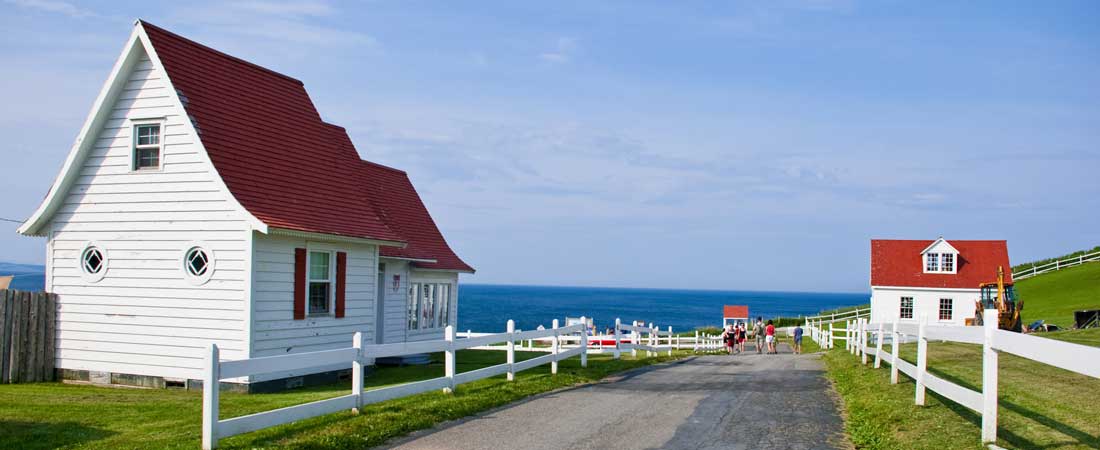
144	317
395	315
274	330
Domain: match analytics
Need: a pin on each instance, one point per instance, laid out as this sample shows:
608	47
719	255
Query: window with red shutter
341	278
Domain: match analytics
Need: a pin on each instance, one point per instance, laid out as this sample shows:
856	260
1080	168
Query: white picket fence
857	334
560	342
823	329
1056	265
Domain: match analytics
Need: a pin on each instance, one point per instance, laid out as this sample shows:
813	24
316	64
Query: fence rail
559	342
859	333
840	316
27	329
1056	265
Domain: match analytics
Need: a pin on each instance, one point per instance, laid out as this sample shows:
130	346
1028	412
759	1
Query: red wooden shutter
299	283
341	277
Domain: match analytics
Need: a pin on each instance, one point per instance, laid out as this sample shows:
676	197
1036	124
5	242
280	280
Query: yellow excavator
1002	297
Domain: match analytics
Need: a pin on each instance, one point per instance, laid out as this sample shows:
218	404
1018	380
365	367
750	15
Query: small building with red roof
206	201
734	314
937	279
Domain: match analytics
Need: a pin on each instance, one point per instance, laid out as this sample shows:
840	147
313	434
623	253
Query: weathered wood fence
27	330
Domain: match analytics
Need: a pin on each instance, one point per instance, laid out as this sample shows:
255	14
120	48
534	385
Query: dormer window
147	146
932	262
940	257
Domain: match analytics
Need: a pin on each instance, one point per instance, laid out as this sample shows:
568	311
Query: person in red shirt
769	335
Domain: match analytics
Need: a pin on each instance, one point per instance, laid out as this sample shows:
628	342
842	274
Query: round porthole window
93	262
198	264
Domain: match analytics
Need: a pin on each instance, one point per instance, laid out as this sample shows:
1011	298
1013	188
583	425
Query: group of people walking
734	336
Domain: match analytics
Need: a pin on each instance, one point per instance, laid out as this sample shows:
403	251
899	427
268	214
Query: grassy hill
1040	262
1054	296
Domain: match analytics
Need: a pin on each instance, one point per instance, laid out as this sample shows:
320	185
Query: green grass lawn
55	415
1054	296
1040	406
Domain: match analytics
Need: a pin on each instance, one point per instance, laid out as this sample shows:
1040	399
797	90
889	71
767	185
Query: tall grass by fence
859	333
27	330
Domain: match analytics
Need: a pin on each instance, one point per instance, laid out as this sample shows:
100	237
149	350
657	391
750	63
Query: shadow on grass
16	434
1080	437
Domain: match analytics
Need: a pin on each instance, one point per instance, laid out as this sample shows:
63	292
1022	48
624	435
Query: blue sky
727	145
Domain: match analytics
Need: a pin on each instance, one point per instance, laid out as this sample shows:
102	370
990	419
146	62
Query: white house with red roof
206	201
735	314
938	279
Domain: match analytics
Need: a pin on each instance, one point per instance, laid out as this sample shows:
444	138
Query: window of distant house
948	262
320	282
906	308
147	146
932	262
945	309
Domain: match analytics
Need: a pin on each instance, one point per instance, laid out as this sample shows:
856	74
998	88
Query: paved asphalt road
708	402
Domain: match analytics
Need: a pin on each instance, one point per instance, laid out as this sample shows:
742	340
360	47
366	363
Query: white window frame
197	280
440	295
950	310
103	263
412	307
954	262
134	124
931	262
912	307
331	280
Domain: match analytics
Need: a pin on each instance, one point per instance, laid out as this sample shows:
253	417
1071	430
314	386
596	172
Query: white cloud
562	52
53	6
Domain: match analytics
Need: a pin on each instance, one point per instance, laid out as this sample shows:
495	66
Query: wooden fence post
863	340
584	342
922	359
670	340
618	338
18	337
357	371
634	335
449	358
848	337
5	309
649	341
51	336
210	385
695	348
511	328
555	346
989	378
830	337
895	339
878	346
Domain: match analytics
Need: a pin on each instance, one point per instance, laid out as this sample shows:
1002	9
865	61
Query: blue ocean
486	308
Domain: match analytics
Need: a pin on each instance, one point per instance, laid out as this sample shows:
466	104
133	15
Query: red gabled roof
736	311
896	262
282	162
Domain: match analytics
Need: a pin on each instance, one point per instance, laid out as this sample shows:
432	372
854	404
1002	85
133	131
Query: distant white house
205	201
937	278
735	314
